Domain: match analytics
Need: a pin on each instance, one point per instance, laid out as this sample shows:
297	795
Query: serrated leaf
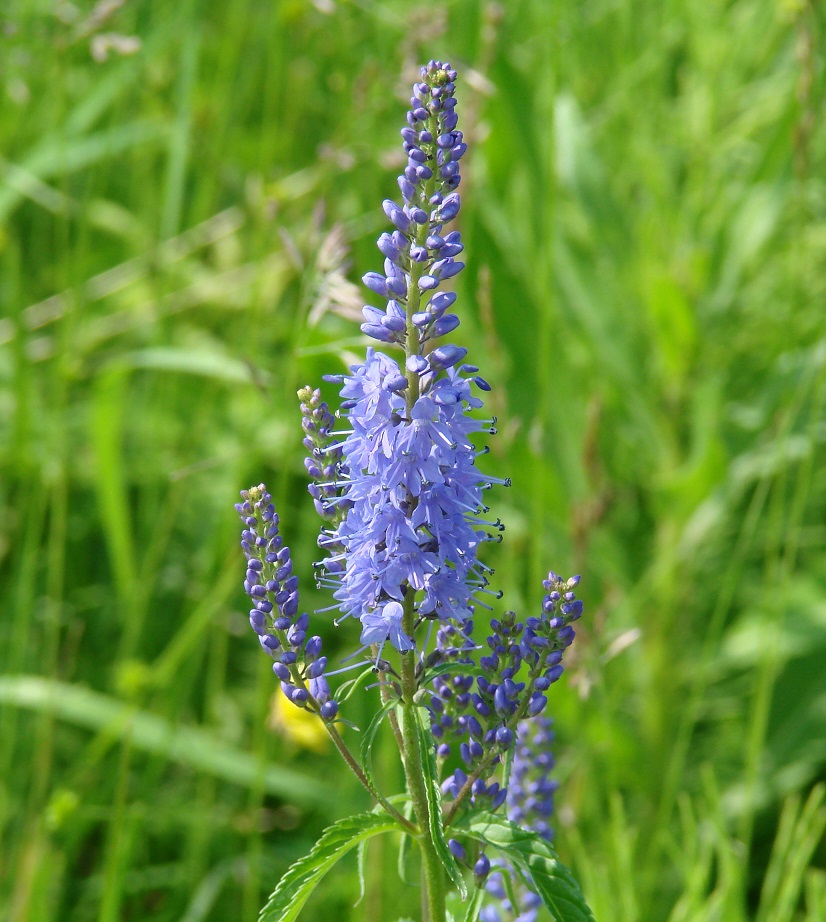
533	855
407	811
434	804
301	879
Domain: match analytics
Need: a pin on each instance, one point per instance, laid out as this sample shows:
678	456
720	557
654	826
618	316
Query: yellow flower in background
298	725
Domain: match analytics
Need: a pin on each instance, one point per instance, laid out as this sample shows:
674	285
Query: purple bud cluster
273	589
483	712
419	255
324	463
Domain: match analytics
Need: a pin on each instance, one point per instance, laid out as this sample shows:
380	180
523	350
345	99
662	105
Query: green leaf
475	904
407	810
301	879
205	363
532	855
346	689
507	765
361	856
434	804
369	737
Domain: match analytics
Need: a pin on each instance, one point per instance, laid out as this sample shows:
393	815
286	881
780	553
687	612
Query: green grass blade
197	749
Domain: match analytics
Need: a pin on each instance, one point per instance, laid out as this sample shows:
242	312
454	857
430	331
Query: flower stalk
433	895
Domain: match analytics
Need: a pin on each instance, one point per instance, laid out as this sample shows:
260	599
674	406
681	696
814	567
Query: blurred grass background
188	192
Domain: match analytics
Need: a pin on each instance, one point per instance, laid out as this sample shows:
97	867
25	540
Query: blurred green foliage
645	222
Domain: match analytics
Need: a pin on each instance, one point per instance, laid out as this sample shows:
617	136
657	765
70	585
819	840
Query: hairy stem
433	897
357	770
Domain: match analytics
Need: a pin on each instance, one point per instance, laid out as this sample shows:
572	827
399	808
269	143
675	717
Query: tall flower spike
413	494
324	462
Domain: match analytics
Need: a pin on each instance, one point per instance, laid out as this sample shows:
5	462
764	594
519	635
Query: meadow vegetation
189	193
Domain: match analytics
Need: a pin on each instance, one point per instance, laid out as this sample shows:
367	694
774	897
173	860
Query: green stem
341	746
386	697
433	902
357	770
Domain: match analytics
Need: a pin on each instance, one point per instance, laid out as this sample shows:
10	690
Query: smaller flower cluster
531	791
325	463
483	712
530	804
273	589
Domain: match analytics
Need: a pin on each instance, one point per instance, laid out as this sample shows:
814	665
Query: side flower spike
273	589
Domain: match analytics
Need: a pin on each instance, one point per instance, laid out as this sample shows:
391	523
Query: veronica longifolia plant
403	502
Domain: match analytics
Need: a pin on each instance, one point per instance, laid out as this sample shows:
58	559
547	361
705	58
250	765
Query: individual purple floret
273	589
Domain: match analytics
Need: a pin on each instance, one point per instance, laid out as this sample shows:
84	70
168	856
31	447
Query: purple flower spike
270	584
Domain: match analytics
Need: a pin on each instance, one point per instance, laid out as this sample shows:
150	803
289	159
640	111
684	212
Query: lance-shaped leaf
301	879
434	804
535	858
